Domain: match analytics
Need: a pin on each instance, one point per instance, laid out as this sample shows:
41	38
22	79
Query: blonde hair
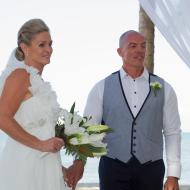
27	32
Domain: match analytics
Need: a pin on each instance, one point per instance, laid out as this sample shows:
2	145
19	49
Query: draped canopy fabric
172	18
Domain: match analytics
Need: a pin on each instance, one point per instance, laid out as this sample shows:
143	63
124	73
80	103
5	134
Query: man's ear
119	51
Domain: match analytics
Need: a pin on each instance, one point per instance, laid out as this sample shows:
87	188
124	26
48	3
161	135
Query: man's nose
141	49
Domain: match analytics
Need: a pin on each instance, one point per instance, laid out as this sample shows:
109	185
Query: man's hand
171	183
64	171
75	173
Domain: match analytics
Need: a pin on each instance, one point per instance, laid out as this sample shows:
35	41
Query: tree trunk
146	27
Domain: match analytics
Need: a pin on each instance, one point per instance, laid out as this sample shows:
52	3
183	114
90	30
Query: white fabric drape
172	18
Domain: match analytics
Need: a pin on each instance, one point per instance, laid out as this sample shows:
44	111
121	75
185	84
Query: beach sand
88	186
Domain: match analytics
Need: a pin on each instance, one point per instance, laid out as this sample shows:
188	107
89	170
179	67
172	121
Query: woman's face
39	51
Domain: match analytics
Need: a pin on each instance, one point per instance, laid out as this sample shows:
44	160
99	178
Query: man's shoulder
112	74
167	85
153	75
156	77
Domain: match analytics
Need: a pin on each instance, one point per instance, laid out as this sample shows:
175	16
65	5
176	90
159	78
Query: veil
12	59
11	64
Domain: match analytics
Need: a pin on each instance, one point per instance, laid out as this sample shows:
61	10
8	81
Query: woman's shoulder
18	68
18	78
22	66
19	74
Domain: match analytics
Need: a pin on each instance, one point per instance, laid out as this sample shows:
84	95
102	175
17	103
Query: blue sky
85	37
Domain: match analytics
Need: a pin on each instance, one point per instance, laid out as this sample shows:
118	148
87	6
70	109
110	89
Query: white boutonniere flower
155	86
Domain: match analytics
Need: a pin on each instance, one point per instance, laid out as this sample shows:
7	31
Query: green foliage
80	150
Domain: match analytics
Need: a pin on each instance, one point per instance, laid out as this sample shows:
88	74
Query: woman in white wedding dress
28	114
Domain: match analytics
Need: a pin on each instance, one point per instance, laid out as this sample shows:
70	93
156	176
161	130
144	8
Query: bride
28	114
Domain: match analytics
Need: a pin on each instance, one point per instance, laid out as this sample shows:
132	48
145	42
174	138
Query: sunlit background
85	37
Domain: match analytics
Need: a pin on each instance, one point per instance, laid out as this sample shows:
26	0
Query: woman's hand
53	145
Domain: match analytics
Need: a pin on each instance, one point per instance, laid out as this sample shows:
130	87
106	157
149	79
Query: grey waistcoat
139	136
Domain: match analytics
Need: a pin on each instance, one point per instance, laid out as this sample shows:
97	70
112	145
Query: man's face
133	51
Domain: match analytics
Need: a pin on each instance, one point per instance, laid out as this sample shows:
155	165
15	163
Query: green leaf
77	135
92	148
81	123
72	110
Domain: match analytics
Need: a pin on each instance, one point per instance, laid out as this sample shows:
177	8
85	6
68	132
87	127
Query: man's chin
139	65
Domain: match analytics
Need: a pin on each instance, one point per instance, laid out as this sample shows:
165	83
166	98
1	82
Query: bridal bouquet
82	140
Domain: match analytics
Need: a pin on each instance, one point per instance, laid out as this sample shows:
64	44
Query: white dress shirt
136	90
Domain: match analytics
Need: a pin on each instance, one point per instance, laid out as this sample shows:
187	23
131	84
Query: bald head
125	35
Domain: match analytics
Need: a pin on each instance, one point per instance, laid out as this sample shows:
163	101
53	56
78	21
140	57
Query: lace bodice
39	113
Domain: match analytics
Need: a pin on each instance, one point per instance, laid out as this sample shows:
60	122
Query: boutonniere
155	87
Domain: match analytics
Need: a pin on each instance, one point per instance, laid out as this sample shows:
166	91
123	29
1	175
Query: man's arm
93	108
172	134
94	104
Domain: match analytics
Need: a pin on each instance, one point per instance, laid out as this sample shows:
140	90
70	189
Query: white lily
73	141
80	139
98	144
77	118
96	137
72	129
67	117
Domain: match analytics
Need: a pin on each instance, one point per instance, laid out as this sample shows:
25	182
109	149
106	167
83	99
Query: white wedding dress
21	167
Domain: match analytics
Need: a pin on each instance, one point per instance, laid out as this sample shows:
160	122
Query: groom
140	112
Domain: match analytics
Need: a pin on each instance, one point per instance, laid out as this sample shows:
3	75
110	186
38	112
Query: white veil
12	59
11	64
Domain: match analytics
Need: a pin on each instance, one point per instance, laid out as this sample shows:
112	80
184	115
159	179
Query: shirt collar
144	75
